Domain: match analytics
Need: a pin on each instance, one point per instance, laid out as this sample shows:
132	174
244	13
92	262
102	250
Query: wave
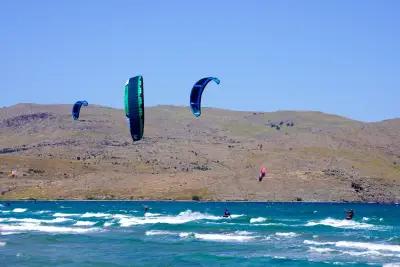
19	210
36	221
393	264
316	243
181	218
9	233
258	220
149	214
368	246
60	214
42	211
34	227
320	250
107	224
2	244
340	224
360	248
84	223
159	232
373	253
96	215
228	237
288	234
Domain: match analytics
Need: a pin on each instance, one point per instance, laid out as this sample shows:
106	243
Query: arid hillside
310	156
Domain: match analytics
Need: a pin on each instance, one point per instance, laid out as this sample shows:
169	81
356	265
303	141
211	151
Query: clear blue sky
340	57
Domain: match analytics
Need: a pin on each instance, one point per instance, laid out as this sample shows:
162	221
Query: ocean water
120	233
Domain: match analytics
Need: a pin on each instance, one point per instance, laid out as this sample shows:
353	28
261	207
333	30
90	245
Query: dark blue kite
197	91
76	109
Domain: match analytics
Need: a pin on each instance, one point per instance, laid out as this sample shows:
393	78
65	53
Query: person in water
146	209
227	213
263	172
349	214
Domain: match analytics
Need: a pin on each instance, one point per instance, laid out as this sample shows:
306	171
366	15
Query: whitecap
60	214
340	223
288	234
33	227
2	244
316	243
229	237
84	223
258	220
107	224
42	211
35	221
320	250
96	215
181	218
149	214
368	246
19	210
159	232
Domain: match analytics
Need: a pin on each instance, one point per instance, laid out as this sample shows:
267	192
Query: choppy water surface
119	233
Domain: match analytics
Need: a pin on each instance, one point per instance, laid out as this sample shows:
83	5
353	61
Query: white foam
320	250
96	215
340	224
18	210
159	232
107	224
42	211
181	218
258	220
368	246
60	214
36	221
33	227
84	223
218	237
365	219
234	216
393	264
288	234
9	233
2	244
316	243
373	253
149	214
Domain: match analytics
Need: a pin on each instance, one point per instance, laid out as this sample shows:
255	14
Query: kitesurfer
263	172
226	213
349	214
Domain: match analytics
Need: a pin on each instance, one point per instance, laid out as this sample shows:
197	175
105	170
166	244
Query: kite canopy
134	106
197	91
76	109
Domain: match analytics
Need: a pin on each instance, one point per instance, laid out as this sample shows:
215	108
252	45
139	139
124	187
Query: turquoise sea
120	233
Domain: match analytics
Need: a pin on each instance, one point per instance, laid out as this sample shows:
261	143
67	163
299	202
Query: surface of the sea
120	233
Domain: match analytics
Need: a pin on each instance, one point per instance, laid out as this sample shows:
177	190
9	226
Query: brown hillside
321	158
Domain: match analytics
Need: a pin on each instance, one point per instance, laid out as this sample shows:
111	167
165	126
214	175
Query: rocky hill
310	156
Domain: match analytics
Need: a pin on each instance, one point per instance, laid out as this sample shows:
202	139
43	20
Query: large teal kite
134	106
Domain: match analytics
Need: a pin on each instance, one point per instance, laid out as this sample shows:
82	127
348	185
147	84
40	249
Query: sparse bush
357	187
195	198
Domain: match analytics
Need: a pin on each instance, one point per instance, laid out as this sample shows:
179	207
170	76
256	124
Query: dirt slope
321	157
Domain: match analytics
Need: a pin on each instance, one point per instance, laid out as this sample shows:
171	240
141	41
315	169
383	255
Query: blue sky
340	57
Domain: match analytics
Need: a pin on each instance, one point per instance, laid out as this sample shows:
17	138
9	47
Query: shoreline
202	201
